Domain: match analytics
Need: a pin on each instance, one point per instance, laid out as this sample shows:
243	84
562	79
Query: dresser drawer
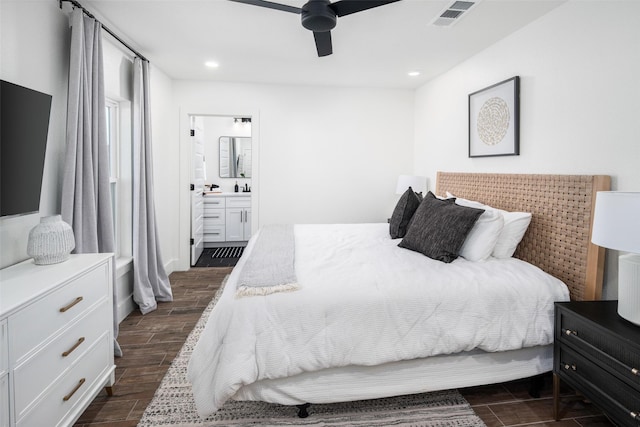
42	368
214	202
4	348
52	409
604	348
213	216
238	202
4	401
37	322
614	396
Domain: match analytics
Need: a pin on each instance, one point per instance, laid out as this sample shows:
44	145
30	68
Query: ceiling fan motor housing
317	16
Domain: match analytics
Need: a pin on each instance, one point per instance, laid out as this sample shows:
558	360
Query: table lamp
417	184
616	225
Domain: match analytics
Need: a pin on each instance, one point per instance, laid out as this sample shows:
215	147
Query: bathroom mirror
235	157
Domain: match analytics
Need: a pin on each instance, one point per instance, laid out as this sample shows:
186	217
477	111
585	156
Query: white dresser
56	324
4	374
227	218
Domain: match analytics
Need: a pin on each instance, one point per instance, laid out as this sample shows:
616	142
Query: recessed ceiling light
414	73
212	64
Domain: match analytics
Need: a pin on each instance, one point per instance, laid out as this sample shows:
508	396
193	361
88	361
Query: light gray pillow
439	228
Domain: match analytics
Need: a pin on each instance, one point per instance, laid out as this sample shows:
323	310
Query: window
120	166
112	141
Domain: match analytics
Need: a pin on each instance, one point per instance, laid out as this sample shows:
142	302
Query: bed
390	332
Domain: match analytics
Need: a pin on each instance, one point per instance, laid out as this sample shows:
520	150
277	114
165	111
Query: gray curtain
150	280
86	197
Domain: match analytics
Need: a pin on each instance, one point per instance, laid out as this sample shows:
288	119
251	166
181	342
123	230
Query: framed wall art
494	120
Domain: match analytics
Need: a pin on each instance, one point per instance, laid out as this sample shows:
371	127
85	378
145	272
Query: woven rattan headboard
558	239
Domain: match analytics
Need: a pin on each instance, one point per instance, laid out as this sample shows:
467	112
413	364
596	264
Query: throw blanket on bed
270	268
367	302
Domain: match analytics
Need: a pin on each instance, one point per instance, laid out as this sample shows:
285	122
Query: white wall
34	53
580	100
325	154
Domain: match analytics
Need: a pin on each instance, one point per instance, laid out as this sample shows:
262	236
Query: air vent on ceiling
453	13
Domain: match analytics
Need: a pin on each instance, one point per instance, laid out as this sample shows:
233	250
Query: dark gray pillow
404	210
439	227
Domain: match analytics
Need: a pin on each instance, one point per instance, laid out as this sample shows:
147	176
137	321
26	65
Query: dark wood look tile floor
509	404
150	343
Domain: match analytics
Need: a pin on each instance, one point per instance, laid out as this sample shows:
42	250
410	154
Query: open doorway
221	188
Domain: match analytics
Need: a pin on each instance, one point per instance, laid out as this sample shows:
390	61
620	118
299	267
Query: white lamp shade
616	221
417	183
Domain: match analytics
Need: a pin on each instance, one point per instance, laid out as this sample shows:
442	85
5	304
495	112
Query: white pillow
515	224
483	236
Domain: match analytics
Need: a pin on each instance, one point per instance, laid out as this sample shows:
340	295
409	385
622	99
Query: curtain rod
90	15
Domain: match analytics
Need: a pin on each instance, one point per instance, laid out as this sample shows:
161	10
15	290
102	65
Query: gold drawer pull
635	415
68	352
570	332
635	371
68	396
68	307
567	367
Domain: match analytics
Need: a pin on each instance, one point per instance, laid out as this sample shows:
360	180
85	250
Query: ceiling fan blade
271	5
347	7
323	43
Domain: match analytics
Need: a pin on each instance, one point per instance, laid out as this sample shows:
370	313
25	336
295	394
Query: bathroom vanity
227	219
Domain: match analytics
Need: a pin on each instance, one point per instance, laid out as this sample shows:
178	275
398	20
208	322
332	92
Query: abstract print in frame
494	120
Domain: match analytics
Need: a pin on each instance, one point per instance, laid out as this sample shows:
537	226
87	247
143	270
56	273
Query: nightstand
597	353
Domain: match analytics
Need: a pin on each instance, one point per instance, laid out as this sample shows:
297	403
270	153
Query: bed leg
536	384
302	410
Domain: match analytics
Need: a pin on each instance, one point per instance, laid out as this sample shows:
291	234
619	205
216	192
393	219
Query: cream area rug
173	404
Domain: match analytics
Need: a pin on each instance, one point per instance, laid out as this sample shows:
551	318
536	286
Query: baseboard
124	289
171	266
125	307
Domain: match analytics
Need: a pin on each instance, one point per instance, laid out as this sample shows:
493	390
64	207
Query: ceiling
373	48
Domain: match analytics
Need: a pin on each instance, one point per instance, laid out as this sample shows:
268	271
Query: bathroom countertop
227	194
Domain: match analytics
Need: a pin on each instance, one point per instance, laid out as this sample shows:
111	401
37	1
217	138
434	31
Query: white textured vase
51	241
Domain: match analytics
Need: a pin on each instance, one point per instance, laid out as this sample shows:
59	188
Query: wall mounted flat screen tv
24	124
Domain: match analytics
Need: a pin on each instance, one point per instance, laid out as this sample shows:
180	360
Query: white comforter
365	301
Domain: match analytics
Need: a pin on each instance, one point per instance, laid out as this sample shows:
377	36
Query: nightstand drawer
617	398
603	347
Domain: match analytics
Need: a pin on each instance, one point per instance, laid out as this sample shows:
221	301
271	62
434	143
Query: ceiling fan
320	16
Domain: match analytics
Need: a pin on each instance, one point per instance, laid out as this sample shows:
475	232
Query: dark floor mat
220	257
226	252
